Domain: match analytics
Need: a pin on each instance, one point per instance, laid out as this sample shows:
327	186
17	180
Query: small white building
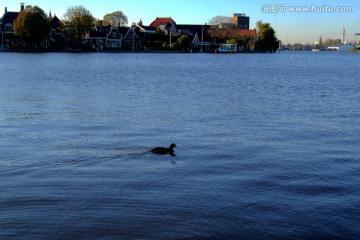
228	48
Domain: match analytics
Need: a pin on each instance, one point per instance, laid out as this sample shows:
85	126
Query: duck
163	150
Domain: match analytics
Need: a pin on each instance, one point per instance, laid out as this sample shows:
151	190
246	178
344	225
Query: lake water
267	146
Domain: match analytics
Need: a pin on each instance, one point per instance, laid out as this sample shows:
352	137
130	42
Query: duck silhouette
163	150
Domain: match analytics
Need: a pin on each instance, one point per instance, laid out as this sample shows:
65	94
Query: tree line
321	44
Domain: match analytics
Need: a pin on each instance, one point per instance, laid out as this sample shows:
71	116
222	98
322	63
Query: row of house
135	37
56	38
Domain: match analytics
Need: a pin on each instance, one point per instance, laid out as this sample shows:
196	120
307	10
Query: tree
233	34
297	46
267	41
218	20
32	24
320	42
332	42
19	25
181	43
116	18
160	40
77	22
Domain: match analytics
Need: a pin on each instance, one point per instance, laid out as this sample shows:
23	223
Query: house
123	38
96	39
166	24
56	36
6	28
198	35
240	20
113	37
131	39
146	30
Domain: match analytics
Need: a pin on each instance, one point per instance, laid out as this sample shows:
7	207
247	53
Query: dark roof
123	30
98	34
193	29
55	22
148	28
9	17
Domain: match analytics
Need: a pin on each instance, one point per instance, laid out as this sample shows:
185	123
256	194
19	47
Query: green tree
182	42
116	18
77	22
32	24
160	40
246	42
267	41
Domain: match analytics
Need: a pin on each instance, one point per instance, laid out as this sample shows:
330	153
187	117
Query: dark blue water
267	146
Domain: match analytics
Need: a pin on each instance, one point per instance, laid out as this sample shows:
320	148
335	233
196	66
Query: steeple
343	36
140	23
50	15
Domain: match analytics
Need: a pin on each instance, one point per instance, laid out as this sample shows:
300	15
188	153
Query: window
245	27
8	27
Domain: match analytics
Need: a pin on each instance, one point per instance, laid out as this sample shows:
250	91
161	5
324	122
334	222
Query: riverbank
87	51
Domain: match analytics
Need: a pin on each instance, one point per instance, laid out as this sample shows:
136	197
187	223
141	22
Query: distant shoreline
130	51
107	51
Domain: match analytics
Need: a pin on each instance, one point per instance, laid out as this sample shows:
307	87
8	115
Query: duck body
163	150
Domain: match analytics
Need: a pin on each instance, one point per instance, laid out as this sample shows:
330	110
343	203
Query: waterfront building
56	37
166	24
240	20
6	27
198	36
113	37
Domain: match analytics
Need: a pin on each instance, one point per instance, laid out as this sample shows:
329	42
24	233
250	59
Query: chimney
5	9
22	6
101	26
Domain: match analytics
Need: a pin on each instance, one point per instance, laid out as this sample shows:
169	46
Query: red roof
162	21
247	32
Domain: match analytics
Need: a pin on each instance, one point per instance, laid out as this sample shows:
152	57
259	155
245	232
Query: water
268	146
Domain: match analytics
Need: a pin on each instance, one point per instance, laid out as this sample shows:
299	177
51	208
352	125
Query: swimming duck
163	151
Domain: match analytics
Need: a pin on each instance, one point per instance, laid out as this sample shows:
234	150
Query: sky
291	26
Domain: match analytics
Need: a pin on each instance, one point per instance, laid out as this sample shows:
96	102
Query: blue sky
292	27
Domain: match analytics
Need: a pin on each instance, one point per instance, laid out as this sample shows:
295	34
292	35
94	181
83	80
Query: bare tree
116	18
219	20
